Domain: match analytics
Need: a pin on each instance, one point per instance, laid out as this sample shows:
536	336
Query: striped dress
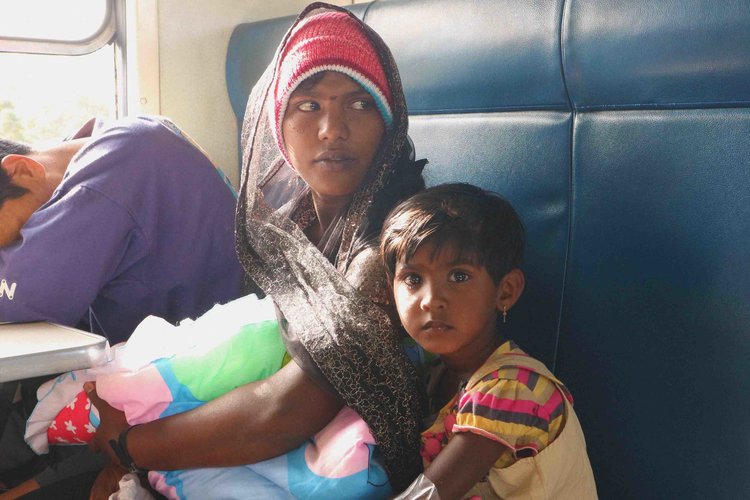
514	406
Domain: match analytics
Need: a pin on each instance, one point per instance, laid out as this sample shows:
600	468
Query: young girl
503	425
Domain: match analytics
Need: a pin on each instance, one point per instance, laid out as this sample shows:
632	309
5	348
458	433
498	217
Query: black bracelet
120	447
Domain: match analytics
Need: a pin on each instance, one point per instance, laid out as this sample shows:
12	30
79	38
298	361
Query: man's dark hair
8	190
480	226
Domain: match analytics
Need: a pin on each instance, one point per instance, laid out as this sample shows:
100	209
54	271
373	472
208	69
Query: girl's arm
463	463
254	422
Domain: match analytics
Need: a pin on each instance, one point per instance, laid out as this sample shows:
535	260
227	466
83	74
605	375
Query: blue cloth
142	223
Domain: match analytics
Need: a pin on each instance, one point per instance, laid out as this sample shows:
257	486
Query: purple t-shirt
141	224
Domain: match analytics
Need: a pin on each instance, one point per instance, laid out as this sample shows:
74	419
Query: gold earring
505	314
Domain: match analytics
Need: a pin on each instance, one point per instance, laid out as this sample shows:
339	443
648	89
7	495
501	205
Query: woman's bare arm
254	422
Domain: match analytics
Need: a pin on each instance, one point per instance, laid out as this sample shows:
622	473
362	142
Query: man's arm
252	423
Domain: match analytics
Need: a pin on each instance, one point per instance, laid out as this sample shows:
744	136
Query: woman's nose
333	125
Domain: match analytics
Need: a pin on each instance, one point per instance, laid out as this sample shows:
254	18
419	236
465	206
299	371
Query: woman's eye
362	104
308	106
459	276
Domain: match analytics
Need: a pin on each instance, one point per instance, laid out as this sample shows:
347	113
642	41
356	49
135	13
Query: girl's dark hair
8	190
480	226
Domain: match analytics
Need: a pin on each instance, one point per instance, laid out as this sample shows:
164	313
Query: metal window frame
97	40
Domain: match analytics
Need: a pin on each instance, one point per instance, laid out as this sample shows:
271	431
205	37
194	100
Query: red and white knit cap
330	41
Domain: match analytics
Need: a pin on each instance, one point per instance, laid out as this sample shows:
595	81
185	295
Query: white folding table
34	349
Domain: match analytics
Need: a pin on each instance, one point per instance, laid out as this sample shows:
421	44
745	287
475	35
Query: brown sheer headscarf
326	295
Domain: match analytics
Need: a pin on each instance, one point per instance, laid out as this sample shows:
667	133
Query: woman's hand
112	423
253	422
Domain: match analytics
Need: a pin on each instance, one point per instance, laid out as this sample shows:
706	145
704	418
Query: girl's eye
459	276
362	104
308	106
412	280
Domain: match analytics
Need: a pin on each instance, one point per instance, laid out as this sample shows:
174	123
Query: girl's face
332	130
448	307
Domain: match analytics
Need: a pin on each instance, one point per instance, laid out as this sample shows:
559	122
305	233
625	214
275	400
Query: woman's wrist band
120	447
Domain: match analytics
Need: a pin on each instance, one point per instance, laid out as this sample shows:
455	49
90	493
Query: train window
57	67
52	20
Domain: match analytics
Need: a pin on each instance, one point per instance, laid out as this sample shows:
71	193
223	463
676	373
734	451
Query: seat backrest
620	130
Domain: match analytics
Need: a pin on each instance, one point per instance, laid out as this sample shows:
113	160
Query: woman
325	156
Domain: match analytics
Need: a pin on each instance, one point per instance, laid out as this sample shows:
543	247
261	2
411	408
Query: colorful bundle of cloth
163	370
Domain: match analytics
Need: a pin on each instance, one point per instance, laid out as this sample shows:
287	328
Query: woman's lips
333	155
335	165
334	160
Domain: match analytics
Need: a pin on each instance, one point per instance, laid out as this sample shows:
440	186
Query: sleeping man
124	220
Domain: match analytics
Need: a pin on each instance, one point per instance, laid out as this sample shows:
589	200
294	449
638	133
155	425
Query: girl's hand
112	423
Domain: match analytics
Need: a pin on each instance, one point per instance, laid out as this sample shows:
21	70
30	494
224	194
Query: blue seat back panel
655	333
446	64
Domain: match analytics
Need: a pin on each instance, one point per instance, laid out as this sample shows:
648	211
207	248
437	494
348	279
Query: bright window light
57	67
45	98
